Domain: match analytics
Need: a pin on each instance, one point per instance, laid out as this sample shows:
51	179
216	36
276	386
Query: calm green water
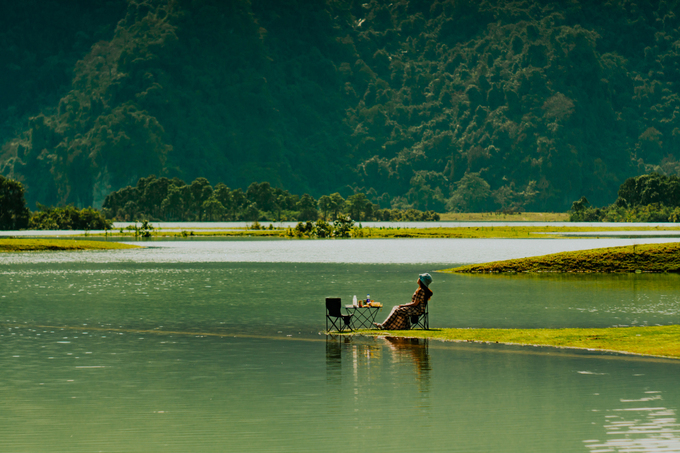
227	356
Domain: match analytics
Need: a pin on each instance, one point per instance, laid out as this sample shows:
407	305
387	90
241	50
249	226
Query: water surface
216	346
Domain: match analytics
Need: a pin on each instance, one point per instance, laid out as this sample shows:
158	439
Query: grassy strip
195	234
490	232
37	245
631	258
500	217
661	341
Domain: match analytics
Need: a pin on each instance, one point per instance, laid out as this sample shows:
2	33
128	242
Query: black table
364	317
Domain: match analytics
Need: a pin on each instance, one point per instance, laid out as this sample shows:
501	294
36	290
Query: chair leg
333	324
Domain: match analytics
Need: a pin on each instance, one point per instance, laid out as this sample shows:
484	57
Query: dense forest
15	215
644	198
456	105
166	199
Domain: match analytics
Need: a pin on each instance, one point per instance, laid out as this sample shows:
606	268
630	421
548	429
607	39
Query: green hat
426	279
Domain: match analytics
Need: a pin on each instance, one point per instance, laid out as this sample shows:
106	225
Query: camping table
363	316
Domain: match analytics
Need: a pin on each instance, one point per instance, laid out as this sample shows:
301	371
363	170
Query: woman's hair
428	291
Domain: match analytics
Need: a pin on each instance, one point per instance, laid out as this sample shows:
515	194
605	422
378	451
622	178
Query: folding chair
333	315
422	320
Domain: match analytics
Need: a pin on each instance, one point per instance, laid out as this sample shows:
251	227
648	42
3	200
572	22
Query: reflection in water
415	350
644	427
334	358
363	356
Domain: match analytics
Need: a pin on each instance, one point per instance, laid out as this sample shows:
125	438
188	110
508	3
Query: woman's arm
417	299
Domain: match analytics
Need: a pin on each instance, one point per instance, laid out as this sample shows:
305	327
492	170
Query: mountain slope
439	105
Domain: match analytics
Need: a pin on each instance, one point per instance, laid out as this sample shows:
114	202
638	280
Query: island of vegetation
632	258
41	245
660	341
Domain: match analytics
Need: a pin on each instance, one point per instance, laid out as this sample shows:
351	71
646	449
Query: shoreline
461	232
646	341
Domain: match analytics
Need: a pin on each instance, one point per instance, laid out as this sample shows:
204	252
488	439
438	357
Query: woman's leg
398	319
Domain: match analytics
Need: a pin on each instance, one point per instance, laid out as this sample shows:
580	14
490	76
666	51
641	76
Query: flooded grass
461	232
661	341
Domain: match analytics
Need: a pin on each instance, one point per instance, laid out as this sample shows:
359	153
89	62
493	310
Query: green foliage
342	227
460	105
172	200
68	218
307	208
406	215
471	194
14	214
645	198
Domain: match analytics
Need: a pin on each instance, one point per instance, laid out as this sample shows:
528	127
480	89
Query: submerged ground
660	341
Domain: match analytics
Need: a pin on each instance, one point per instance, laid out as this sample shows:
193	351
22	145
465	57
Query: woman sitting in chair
400	316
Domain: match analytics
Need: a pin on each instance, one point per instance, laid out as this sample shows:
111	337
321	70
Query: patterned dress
400	317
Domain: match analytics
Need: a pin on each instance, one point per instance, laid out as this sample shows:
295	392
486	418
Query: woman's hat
426	279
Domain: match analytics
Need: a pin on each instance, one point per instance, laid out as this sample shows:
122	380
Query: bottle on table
368	299
354	301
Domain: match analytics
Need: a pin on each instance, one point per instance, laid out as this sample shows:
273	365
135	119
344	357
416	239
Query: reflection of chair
333	314
422	320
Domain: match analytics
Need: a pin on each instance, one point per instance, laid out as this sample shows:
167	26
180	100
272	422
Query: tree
336	204
153	195
263	195
173	204
252	212
224	196
358	205
239	202
200	190
511	200
307	207
471	194
325	206
213	210
14	214
580	205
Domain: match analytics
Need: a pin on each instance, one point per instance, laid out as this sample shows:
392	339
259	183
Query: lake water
217	346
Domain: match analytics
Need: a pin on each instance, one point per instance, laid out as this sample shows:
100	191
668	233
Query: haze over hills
459	105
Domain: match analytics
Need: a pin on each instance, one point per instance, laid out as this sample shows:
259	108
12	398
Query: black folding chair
334	315
421	321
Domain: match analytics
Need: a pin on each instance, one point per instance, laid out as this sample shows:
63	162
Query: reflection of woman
413	348
400	317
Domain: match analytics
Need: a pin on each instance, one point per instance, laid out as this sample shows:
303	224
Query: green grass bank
659	341
485	232
39	245
633	258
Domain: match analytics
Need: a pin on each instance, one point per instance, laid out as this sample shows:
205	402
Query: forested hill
458	104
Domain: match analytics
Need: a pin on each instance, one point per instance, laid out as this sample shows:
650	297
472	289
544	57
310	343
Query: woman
400	317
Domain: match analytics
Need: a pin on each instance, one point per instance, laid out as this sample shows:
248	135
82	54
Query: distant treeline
646	198
68	218
14	215
163	199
